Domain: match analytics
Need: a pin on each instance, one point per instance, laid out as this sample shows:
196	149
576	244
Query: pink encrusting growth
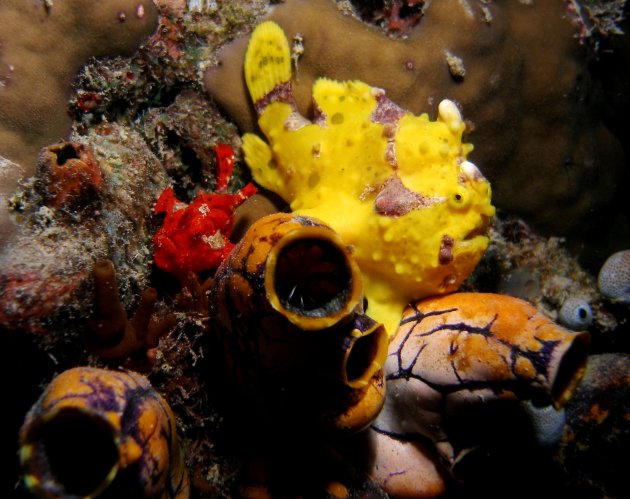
195	237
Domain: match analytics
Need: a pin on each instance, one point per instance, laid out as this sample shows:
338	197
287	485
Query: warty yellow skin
395	186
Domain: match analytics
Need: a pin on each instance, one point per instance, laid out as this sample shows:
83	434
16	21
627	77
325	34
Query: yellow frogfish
396	187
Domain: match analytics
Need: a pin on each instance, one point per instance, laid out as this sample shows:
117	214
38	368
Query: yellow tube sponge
395	186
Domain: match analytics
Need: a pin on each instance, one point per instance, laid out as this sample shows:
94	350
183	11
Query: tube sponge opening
81	451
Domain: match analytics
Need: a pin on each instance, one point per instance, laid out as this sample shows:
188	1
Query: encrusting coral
414	209
527	94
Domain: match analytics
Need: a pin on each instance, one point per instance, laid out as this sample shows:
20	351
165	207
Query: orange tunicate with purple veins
195	237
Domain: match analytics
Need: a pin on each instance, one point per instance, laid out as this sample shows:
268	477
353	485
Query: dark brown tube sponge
112	334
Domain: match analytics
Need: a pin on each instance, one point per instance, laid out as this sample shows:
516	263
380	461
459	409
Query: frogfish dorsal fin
268	65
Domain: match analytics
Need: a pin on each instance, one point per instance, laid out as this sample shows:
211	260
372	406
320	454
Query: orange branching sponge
195	237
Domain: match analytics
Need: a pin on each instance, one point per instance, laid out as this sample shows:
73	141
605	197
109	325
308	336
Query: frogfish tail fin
268	66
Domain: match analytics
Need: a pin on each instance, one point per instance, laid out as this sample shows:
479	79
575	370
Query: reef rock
42	46
594	449
90	199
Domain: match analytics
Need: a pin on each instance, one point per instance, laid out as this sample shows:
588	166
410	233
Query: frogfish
397	187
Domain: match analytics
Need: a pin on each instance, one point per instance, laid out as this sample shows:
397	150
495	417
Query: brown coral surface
43	45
